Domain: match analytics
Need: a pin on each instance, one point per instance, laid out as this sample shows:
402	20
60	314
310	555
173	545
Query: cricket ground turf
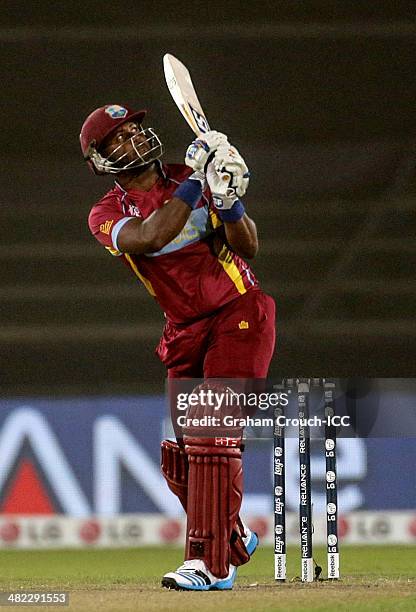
373	578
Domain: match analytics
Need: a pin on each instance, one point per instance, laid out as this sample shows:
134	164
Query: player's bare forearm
242	237
152	234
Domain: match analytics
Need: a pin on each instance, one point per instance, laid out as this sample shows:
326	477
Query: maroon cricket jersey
186	277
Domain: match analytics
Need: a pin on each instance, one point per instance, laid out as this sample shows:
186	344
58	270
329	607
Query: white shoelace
192	565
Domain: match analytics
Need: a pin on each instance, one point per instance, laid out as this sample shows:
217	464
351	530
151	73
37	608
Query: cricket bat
183	92
180	85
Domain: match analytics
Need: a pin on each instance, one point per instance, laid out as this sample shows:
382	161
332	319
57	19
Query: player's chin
139	169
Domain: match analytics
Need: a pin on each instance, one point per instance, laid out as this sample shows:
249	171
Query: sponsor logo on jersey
197	228
105	228
243	325
116	112
134	211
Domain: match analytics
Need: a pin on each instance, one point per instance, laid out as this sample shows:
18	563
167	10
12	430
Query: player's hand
201	150
223	195
227	176
227	160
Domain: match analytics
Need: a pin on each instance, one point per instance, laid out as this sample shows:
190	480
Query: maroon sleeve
103	220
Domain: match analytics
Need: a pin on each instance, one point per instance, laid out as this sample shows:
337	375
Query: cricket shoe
193	575
251	540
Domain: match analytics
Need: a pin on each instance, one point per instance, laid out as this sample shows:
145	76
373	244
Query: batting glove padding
224	196
227	176
199	153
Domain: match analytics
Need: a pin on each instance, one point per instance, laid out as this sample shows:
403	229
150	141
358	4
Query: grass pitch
373	578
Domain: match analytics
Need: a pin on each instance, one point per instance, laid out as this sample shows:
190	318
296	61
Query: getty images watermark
218	401
227	397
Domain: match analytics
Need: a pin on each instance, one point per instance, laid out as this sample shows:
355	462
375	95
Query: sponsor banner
136	530
18	531
101	456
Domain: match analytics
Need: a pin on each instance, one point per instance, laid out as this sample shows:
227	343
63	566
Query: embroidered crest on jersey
116	112
243	325
105	228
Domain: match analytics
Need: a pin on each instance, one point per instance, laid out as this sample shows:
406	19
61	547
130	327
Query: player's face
126	143
129	147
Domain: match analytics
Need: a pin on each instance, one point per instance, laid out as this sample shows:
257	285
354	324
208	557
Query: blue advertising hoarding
82	456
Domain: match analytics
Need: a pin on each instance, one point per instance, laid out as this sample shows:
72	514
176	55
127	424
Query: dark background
319	97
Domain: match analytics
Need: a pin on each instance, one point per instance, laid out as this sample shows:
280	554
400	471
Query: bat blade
180	85
183	92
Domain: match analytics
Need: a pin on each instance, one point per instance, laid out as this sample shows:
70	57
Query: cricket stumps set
308	572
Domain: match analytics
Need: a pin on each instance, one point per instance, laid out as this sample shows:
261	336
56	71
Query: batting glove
227	160
200	152
229	207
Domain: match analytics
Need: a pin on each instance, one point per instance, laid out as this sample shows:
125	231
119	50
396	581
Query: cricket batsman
184	233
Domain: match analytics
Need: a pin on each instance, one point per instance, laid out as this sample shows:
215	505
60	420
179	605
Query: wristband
190	192
233	214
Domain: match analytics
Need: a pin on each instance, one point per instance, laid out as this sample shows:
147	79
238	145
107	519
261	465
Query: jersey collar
162	173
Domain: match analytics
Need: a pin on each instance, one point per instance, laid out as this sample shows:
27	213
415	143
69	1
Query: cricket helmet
100	124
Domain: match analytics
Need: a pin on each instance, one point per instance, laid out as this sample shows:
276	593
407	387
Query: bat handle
225	176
